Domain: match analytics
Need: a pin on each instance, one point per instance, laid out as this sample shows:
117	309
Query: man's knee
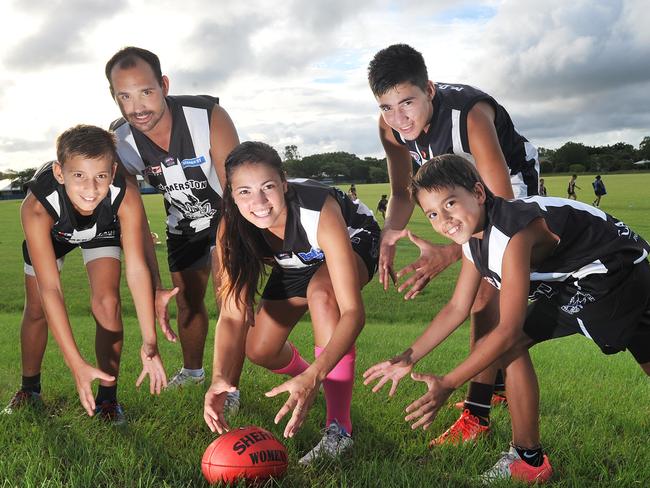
107	310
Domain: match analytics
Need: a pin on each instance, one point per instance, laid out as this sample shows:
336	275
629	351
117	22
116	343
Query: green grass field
595	409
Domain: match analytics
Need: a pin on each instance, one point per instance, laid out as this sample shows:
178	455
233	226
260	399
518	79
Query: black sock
106	394
499	382
478	401
534	457
31	383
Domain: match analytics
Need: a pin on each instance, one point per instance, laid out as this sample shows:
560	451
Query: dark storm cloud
60	39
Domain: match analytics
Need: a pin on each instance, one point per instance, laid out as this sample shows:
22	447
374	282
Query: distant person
599	190
542	188
80	201
571	189
178	144
420	119
352	193
382	205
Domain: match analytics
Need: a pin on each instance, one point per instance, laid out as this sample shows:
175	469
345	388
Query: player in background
542	188
80	201
585	271
571	188
323	249
421	119
178	144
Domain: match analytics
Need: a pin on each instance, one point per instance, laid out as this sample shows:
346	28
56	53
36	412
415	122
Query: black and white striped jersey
69	226
447	134
593	244
305	199
184	174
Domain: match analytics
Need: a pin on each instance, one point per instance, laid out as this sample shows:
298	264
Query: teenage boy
79	201
585	271
178	144
421	119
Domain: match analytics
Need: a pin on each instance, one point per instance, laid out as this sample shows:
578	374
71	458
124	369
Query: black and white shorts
191	252
286	283
90	250
619	319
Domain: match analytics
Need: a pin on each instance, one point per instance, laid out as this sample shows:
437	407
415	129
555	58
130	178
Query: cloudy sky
294	72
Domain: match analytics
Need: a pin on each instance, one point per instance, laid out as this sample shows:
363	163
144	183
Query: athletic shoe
232	403
111	411
23	398
183	379
466	428
334	443
497	400
511	466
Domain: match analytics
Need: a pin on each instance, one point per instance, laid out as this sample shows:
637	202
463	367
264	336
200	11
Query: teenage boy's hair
445	172
127	57
397	64
88	141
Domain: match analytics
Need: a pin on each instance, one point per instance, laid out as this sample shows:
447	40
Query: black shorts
190	252
617	321
286	283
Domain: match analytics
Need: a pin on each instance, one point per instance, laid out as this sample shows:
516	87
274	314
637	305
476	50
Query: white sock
195	373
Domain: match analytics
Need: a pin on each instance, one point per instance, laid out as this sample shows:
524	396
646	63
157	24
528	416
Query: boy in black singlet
79	201
585	271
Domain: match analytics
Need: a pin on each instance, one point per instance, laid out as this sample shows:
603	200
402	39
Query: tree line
572	157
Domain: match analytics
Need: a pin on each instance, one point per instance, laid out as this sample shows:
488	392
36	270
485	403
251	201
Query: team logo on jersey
152	170
169	162
445	86
577	302
542	290
416	157
183	185
311	255
190	163
193	208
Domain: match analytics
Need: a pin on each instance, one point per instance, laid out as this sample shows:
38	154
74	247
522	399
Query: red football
245	453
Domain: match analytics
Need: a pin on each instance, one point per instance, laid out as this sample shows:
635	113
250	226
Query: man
178	144
421	119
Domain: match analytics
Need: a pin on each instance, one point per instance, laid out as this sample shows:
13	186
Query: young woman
79	201
324	249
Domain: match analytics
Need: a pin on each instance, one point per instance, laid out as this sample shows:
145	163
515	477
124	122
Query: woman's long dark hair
242	245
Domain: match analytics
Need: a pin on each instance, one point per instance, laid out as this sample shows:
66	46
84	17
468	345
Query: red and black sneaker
21	399
511	466
111	411
467	428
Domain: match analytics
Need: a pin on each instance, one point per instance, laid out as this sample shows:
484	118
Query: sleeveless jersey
595	254
447	134
184	174
305	200
69	226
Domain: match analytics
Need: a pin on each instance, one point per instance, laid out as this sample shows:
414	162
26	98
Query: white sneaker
232	403
335	442
183	379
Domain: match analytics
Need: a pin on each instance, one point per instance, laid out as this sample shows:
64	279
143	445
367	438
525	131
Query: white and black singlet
447	134
597	280
301	255
185	174
70	228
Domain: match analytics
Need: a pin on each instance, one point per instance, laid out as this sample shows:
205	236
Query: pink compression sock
296	366
338	389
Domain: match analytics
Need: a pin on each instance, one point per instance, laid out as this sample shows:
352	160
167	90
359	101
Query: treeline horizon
572	157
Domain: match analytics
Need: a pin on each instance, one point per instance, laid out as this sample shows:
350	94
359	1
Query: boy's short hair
446	171
126	58
85	140
396	64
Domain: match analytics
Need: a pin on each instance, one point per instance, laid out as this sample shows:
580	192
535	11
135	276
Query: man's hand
392	370
84	375
213	404
434	258
302	390
153	367
163	296
424	409
389	238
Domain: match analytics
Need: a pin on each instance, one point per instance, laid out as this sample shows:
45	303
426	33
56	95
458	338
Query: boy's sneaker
511	466
23	398
334	443
466	428
183	379
111	411
232	403
497	400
